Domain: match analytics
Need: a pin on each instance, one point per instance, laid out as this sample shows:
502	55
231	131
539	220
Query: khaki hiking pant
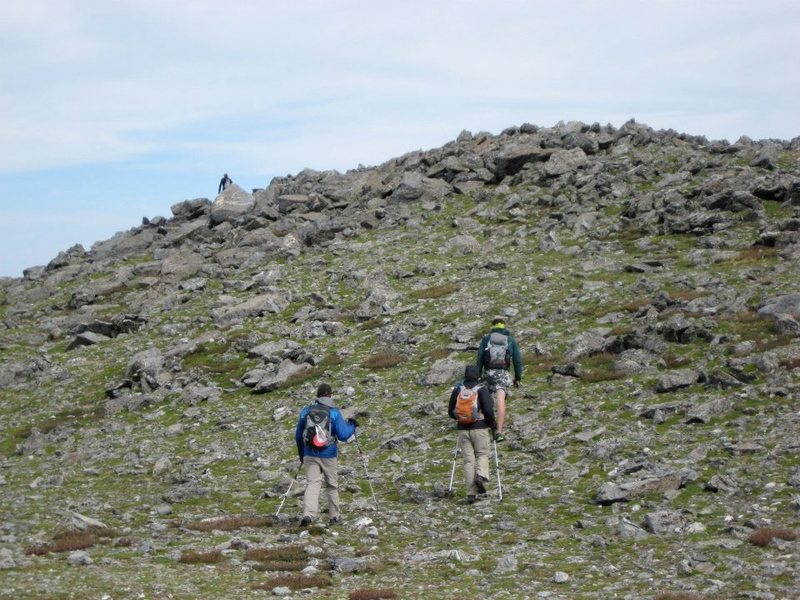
474	444
318	469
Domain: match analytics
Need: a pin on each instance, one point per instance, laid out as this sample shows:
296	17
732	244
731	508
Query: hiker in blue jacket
319	427
497	352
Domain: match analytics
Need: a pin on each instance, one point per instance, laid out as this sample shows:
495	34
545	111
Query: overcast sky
111	111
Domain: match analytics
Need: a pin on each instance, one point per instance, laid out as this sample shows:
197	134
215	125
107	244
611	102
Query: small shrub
65	542
439	353
279	553
229	523
194	557
331	359
790	363
436	291
762	537
673	361
371	324
281	565
756	254
371	594
295	582
384	360
540	363
600	367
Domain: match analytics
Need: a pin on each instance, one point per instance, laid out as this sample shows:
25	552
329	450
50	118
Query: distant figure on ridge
224	183
320	425
497	352
471	405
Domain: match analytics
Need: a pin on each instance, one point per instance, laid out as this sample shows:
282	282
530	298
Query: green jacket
516	357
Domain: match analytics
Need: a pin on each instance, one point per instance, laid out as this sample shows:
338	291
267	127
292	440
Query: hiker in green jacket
497	352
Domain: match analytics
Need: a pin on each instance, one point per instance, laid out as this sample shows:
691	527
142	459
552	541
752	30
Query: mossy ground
550	523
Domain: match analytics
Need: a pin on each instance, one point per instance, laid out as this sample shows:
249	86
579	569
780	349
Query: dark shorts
497	379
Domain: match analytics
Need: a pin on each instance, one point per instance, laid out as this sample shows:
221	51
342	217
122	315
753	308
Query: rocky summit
150	386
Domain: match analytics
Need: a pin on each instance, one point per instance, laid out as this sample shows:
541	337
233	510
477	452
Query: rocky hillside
149	387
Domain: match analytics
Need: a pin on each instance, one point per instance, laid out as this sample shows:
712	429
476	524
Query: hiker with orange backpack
497	352
471	405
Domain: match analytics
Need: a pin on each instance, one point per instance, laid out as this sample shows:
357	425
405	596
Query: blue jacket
341	428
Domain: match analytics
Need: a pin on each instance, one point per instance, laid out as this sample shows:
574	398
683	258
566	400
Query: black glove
516	383
301	461
353	422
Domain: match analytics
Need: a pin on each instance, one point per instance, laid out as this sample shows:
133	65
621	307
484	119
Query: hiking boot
498	436
480	483
305	521
472	499
335	520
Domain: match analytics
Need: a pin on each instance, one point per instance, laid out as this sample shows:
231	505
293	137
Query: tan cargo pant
318	469
474	444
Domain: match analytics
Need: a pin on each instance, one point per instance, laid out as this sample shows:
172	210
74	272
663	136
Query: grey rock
677	379
787	304
610	493
787	325
79	558
444	370
560	577
191	209
232	203
7	559
513	158
349	565
417	187
272	379
628	530
664	522
147	369
507	564
707	411
87	338
274	352
565	161
254	307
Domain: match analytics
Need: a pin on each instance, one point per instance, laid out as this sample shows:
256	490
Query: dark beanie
324	390
471	373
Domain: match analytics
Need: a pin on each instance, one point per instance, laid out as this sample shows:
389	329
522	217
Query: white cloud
269	87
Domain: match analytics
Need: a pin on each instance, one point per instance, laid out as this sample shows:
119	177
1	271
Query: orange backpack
467	411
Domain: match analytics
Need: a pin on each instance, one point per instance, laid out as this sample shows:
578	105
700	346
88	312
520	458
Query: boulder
416	187
230	205
273	378
610	493
511	159
677	379
191	209
444	370
787	304
565	161
254	307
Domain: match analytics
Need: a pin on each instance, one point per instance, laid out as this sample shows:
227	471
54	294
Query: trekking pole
286	495
453	470
366	470
497	468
